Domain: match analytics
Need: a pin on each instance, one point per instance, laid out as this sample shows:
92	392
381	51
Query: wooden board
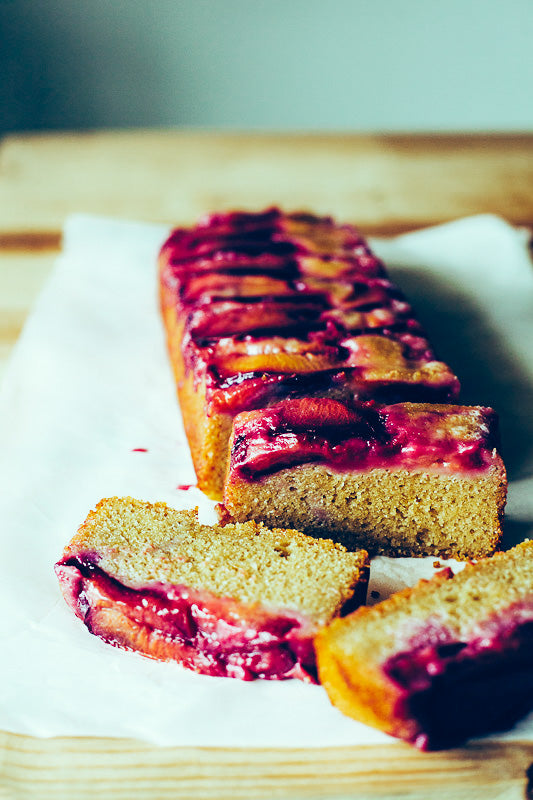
386	184
119	769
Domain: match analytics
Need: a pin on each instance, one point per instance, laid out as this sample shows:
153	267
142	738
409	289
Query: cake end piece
238	600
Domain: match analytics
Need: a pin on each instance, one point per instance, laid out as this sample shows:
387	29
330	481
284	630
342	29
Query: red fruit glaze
208	634
452	690
275	305
357	436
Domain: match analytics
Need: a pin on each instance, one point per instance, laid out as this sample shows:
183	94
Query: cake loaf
441	662
261	307
402	479
238	600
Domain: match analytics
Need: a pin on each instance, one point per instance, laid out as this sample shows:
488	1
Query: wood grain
120	769
386	184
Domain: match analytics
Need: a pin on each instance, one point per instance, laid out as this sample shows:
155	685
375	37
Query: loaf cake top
276	303
358	436
142	544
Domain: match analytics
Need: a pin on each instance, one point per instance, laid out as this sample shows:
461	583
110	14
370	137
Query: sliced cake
260	307
238	600
444	661
402	479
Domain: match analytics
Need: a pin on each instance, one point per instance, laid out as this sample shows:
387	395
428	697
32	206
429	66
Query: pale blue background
387	65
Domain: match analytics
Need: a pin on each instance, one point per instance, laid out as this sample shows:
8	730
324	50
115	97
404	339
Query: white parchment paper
89	387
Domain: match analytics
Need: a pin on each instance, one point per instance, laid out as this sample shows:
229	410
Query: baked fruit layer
403	479
259	307
238	600
441	662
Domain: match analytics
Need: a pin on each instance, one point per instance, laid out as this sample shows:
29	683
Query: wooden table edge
69	761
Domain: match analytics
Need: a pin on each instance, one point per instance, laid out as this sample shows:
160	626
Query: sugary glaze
211	635
361	436
274	305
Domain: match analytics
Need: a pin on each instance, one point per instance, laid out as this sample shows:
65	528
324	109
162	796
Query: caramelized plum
208	634
257	278
358	436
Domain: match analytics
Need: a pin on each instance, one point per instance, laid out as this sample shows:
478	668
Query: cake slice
444	661
259	307
403	479
238	600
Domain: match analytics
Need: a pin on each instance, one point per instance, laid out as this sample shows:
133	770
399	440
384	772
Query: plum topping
347	436
452	690
249	280
211	635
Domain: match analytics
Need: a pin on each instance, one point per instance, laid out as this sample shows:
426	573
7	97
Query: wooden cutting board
385	184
